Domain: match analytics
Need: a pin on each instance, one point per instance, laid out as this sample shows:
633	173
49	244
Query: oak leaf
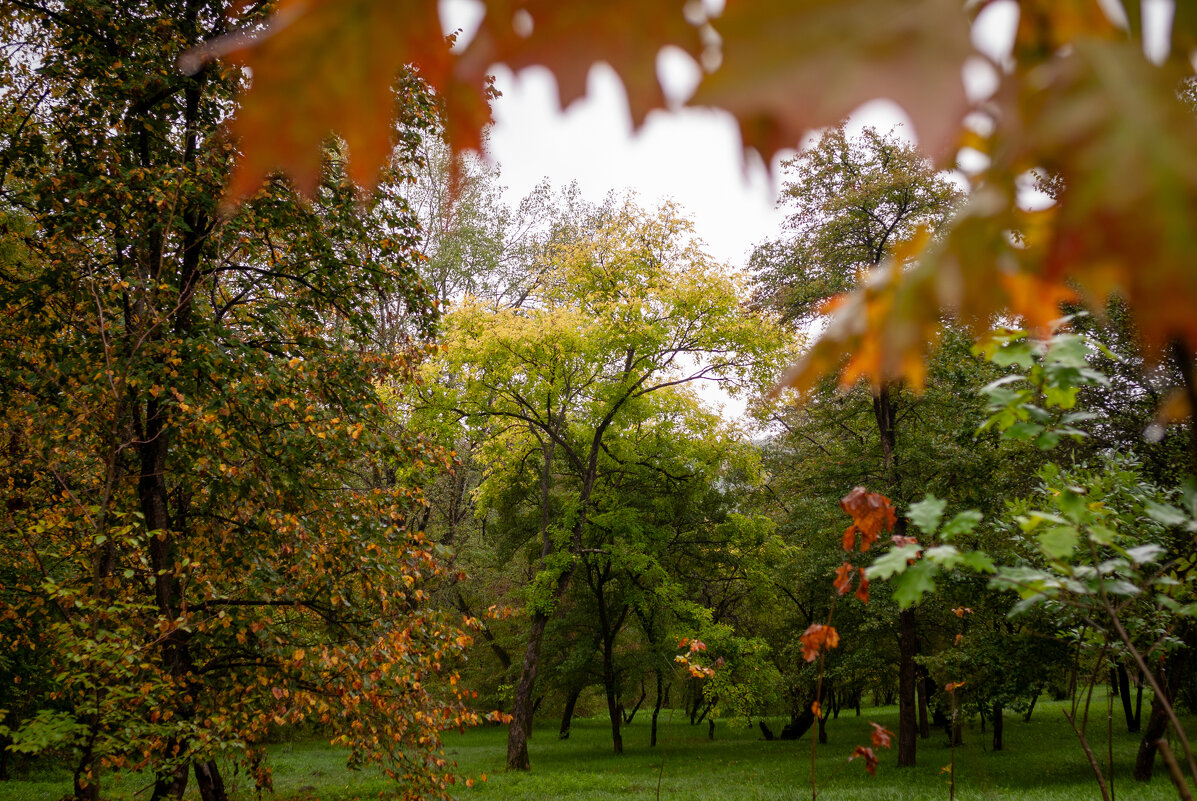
791	66
816	638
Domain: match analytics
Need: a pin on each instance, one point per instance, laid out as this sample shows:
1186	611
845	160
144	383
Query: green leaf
1017	353
917	581
978	561
1073	503
963	523
946	556
1058	542
1024	430
1102	535
926	513
1145	554
1166	514
893	562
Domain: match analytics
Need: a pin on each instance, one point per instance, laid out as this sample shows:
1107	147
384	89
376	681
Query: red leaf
818	637
843	578
862	589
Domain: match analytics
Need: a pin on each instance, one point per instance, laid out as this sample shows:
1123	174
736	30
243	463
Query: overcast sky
692	156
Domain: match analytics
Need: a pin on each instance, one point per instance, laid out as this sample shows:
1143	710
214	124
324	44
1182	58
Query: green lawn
1041	762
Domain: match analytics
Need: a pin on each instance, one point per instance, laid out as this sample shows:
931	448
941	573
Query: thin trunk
998	725
1158	719
567	717
652	737
1026	718
1128	711
629	716
907	711
923	687
611	687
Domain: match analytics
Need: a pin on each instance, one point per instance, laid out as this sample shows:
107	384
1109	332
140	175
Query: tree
197	536
1078	99
629	306
857	201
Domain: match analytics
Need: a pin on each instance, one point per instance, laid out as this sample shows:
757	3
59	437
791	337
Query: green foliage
205	530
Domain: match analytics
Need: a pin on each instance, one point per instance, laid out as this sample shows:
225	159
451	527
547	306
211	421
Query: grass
1042	761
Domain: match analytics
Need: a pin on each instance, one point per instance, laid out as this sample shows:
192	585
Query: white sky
692	156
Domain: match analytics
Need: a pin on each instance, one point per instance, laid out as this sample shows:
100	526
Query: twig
1174	771
1101	781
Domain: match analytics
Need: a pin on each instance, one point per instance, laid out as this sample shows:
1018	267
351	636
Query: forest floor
1041	761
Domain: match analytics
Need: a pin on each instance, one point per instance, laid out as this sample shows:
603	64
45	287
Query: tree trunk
711	729
207	778
907	712
1132	720
998	725
610	686
923	687
652	737
628	717
1026	718
521	705
567	717
1157	721
823	729
1157	725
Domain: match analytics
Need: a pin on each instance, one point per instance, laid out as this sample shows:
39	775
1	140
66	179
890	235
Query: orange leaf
870	513
870	758
569	38
790	66
843	578
862	589
818	637
881	736
329	66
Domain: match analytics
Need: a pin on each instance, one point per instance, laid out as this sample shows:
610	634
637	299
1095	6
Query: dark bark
711	729
907	712
567	717
652	737
1157	725
823	729
628	717
998	725
1157	719
923	689
521	705
799	725
1128	710
1026	718
765	730
207	778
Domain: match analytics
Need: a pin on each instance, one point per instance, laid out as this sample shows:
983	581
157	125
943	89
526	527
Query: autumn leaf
862	588
329	66
870	512
880	735
843	578
569	38
789	67
816	638
869	756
